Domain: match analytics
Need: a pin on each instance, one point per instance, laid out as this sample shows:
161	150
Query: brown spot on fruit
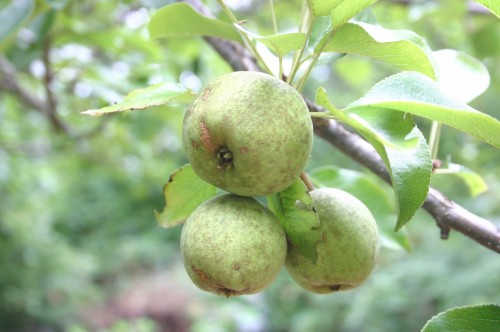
206	138
236	266
200	273
334	288
243	149
205	94
194	144
227	292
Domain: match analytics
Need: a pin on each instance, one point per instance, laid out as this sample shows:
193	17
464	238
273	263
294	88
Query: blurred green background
80	249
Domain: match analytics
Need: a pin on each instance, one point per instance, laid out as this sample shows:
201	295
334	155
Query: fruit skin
248	133
347	252
232	245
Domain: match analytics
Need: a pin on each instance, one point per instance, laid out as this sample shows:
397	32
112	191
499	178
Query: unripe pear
348	249
232	245
248	133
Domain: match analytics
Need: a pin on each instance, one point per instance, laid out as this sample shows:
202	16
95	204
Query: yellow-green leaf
401	48
477	318
492	5
183	192
294	208
182	20
160	94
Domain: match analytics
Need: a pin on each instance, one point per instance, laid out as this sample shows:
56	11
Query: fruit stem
297	58
305	178
273	15
325	115
302	82
244	36
434	138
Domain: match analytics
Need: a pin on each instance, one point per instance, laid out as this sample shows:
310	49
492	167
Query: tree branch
51	101
9	82
447	213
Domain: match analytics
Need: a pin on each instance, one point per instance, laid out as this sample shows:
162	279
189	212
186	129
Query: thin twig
9	82
51	101
307	181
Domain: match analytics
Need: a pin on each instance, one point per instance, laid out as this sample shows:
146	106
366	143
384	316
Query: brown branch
447	213
9	82
307	181
51	101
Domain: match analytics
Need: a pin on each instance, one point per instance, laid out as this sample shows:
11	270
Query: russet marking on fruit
200	273
206	138
205	94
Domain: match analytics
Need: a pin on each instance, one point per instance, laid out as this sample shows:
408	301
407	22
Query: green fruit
232	245
248	133
348	249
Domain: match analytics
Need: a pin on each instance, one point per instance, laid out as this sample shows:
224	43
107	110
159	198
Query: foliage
76	211
475	318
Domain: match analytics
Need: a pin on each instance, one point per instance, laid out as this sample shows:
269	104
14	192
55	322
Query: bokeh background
80	249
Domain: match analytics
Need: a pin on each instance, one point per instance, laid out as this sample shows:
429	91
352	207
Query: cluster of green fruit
251	135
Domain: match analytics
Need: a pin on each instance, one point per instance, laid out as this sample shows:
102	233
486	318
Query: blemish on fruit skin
200	273
236	266
206	138
194	144
205	94
243	149
334	288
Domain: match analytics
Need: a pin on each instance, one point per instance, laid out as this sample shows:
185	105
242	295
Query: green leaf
347	10
284	43
181	20
460	76
155	95
320	32
322	7
324	26
13	16
295	211
477	318
401	48
183	192
401	146
414	93
371	192
474	182
280	44
492	5
341	10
